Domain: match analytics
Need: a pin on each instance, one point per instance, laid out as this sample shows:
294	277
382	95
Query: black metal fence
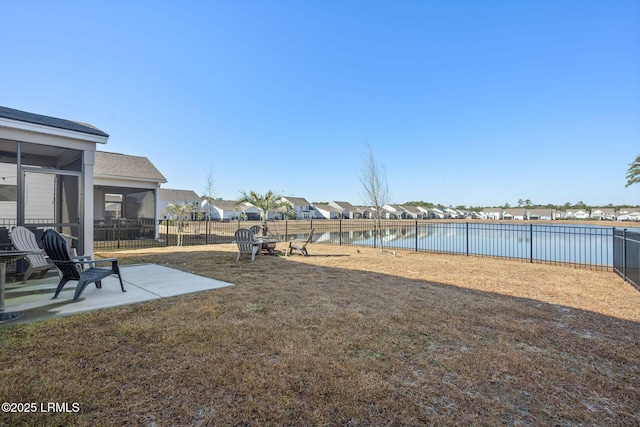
589	247
626	255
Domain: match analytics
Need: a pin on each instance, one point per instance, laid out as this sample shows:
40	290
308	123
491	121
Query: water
588	245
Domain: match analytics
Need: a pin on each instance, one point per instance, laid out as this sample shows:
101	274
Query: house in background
301	206
348	210
168	196
55	158
393	212
230	210
603	214
414	212
326	211
517	214
127	190
493	213
541	214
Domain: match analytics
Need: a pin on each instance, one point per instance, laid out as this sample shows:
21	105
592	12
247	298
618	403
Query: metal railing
589	247
626	255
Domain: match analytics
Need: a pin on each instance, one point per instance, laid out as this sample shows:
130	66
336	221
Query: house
492	213
541	214
54	157
517	214
326	211
348	210
393	212
433	213
364	212
478	215
168	196
126	188
414	213
581	214
451	213
301	206
603	214
228	210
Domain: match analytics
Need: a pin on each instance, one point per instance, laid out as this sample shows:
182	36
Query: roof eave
49	130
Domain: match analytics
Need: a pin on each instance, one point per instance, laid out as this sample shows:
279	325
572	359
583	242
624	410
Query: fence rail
626	259
591	247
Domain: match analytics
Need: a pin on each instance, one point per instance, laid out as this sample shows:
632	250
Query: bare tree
375	189
209	192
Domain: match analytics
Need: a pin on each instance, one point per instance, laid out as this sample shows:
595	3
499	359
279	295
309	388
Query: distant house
364	212
228	210
581	214
415	213
517	214
348	210
168	196
301	206
434	213
393	212
451	213
603	214
493	213
326	211
541	214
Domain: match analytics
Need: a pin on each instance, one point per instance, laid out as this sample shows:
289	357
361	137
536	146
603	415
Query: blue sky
464	102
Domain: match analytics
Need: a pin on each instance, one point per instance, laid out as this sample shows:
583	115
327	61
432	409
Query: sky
475	103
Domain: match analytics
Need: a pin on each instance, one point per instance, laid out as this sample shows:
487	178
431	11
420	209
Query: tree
265	204
375	190
633	173
182	213
209	191
520	202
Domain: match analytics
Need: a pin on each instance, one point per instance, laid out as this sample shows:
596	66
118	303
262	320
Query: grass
343	337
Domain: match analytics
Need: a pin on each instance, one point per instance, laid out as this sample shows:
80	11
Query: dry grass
343	337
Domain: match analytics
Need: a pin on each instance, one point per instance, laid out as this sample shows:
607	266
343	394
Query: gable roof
327	208
344	205
230	205
38	119
297	201
124	165
171	195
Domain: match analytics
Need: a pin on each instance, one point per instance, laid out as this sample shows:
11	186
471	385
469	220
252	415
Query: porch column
87	202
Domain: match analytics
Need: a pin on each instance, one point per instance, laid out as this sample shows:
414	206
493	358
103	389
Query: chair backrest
25	240
245	241
309	237
57	249
255	229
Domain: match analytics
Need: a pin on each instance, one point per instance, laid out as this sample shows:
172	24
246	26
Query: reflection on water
589	245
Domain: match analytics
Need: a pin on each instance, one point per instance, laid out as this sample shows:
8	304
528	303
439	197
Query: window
8	193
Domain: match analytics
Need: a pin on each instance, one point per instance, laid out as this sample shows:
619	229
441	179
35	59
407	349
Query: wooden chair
255	229
246	243
300	245
24	239
56	247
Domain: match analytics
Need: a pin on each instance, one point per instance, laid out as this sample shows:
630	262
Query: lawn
343	337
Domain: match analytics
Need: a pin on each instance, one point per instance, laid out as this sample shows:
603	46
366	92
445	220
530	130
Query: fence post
286	229
624	254
467	232
416	236
340	232
531	243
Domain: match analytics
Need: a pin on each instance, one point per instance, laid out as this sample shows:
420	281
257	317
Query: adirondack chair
255	229
300	245
246	243
56	247
24	239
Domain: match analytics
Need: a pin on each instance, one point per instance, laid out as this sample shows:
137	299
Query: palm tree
265	204
182	213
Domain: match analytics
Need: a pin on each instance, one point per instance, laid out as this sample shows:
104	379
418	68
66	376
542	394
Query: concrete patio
143	282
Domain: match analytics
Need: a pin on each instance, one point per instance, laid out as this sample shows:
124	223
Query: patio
143	282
